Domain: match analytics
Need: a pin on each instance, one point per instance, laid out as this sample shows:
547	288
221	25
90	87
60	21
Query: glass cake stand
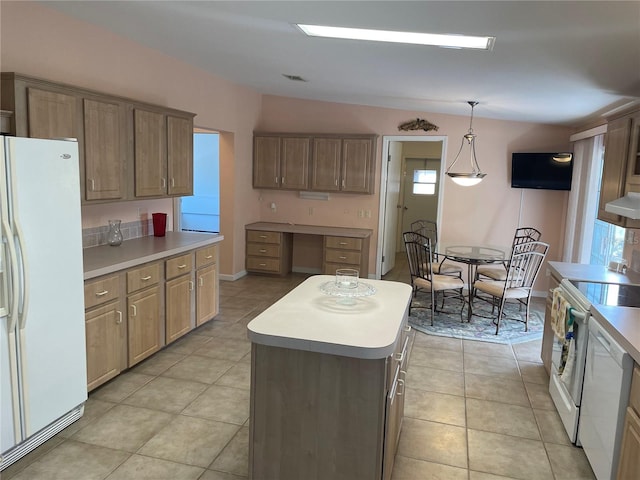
347	296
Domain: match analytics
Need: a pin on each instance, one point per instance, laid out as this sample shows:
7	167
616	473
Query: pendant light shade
474	176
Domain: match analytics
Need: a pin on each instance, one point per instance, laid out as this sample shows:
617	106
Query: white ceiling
553	62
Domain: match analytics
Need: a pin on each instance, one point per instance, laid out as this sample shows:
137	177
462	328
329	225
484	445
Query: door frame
386	139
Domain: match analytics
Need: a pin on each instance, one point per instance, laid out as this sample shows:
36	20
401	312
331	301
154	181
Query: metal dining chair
429	229
522	272
498	271
420	257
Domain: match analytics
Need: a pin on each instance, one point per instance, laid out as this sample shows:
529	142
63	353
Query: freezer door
45	216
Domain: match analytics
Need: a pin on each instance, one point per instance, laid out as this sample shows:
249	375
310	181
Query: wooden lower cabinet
206	294
106	346
178	294
146	335
629	463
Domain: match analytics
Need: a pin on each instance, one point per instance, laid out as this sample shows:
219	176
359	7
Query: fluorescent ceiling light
448	41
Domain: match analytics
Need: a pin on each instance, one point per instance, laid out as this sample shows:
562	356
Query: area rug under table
448	324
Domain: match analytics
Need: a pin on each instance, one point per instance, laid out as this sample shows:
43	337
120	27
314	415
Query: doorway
405	156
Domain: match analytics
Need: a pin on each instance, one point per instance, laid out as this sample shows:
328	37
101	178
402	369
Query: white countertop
106	259
593	273
307	319
623	324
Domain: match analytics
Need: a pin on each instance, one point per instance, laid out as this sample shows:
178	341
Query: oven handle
577	314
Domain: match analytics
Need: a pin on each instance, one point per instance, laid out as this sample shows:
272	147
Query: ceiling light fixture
475	176
433	39
562	157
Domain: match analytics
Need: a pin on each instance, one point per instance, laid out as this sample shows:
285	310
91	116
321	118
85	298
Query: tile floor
473	410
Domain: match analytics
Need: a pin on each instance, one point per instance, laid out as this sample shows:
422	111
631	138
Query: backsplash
96	236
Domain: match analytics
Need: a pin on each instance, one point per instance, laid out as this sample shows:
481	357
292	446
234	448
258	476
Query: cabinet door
180	156
294	163
52	115
547	333
629	465
104	337
104	158
615	161
633	171
150	150
144	324
325	172
266	162
206	294
357	165
178	307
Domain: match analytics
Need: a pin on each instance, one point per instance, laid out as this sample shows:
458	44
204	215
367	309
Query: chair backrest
526	234
429	229
525	264
418	249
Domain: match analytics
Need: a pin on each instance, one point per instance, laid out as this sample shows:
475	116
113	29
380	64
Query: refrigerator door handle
25	277
13	268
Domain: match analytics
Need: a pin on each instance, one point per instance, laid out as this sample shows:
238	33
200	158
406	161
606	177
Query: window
424	182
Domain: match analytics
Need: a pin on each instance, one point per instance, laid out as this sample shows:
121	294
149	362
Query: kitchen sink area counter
592	273
623	324
106	259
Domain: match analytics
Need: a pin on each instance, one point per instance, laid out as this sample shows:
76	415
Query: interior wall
38	41
486	213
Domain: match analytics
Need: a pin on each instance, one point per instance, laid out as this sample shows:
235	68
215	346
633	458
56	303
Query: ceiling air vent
295	78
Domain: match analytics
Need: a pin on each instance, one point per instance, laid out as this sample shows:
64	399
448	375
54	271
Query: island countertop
307	319
106	259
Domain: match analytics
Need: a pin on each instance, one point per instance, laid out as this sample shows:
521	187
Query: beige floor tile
158	363
235	457
487	348
71	461
441	343
213	475
509	456
435	358
569	462
533	373
121	387
551	427
434	380
495	389
434	442
189	343
138	467
221	403
528	351
487	476
503	367
124	428
225	349
166	394
238	376
199	369
405	468
506	419
216	328
435	407
190	440
13	469
539	396
93	408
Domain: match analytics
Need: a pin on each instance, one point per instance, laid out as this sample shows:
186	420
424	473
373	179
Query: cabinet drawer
263	264
634	396
263	237
342	256
206	256
143	277
179	265
344	243
263	250
101	291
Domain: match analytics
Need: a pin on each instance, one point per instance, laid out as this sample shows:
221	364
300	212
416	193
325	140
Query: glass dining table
472	255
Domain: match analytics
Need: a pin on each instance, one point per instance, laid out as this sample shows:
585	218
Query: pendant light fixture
469	140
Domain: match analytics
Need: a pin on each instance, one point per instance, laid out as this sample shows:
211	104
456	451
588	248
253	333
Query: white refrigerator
42	338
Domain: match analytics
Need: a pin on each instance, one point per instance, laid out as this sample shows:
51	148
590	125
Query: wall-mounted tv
546	171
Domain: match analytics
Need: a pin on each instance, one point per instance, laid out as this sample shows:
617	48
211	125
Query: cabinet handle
119	320
263	264
102	293
399	356
144	279
208	257
164	183
400	384
276	181
342	243
173	182
201	281
282	181
407	328
190	285
262	250
134	311
182	266
343	182
336	182
93	184
263	236
343	258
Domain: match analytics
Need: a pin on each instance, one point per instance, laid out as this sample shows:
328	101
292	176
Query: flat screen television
541	171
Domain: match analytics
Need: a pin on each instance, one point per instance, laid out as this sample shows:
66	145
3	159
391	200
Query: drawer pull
399	356
263	264
343	258
119	320
144	279
181	266
201	282
134	311
208	257
190	285
263	236
400	384
342	243
102	293
262	250
407	328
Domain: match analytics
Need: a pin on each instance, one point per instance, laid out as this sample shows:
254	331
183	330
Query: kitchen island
327	379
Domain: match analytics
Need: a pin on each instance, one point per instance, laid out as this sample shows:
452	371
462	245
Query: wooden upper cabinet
357	165
294	163
105	155
180	155
266	162
150	153
52	114
633	171
325	174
